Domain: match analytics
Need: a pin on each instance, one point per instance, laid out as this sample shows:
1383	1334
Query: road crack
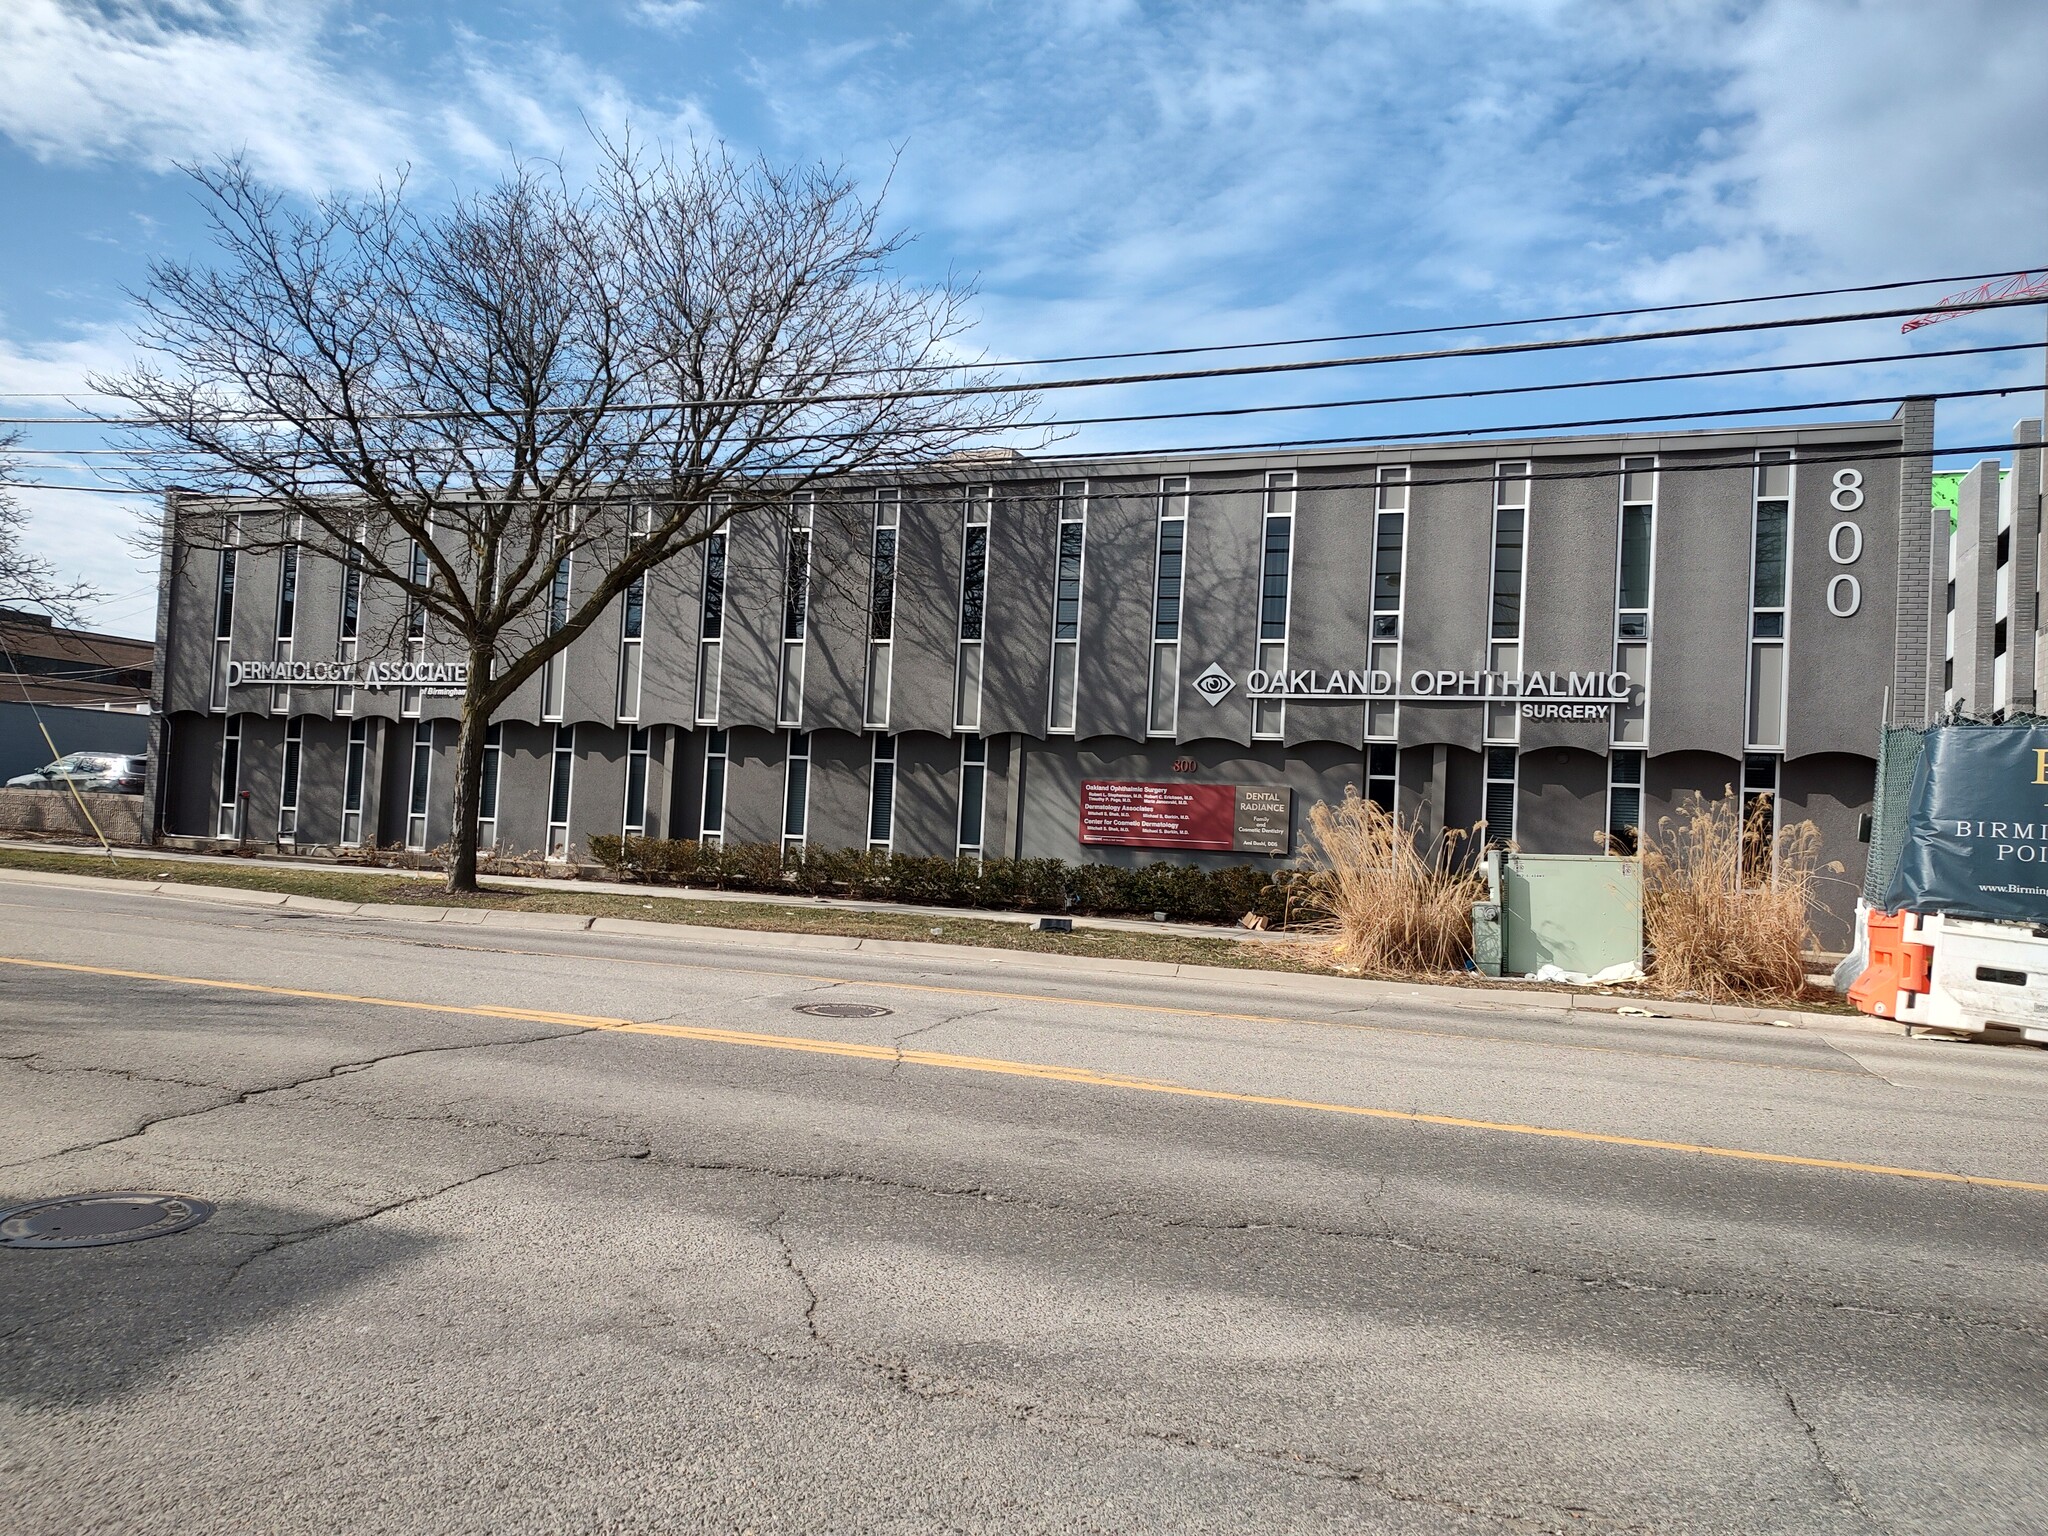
1838	1480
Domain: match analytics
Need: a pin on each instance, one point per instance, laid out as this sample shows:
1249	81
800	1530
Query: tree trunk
469	774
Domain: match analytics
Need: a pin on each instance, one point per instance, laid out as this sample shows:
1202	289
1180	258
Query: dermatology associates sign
431	675
1542	695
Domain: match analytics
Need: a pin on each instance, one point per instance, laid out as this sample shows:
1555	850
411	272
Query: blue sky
1118	174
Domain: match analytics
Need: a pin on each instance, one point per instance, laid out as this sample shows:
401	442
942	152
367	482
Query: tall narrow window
633	622
349	623
882	606
287	620
224	612
355	768
1769	561
973	607
711	821
487	791
1162	707
1760	809
973	788
1276	579
422	781
1624	799
796	791
796	609
1632	598
554	690
882	795
711	629
1500	796
410	699
1071	560
639	748
1389	555
288	781
1382	775
561	780
228	823
1510	558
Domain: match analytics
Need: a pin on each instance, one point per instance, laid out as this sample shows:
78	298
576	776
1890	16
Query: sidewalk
1329	990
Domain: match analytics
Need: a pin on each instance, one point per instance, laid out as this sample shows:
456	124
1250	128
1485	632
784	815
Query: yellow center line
1043	1071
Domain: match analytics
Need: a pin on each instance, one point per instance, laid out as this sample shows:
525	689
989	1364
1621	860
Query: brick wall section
1923	575
54	813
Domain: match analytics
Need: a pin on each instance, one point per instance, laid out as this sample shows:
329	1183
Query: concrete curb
1342	992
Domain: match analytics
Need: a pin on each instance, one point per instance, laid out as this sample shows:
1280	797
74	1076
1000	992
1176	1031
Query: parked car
112	773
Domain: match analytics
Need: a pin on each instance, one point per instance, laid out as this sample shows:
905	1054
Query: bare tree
462	397
26	580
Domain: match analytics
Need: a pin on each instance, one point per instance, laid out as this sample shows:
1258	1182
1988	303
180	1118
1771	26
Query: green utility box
1582	913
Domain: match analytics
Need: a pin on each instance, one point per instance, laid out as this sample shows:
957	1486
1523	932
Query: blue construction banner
1976	842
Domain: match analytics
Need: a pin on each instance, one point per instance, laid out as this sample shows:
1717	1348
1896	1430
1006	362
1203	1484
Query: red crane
2023	285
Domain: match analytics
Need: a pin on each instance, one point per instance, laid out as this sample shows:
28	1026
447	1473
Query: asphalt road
1044	1248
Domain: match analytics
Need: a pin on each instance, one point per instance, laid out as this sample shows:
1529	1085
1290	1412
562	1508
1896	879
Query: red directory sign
1225	817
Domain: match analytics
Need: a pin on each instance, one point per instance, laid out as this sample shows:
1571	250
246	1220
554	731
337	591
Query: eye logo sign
1214	684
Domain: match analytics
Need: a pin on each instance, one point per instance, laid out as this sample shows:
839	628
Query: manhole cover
844	1010
90	1221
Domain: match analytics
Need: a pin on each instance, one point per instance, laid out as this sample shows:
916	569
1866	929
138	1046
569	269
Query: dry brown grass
1396	902
1725	904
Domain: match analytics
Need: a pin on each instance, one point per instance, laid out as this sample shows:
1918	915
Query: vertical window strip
796	609
882	606
1276	574
419	790
1501	767
1770	567
287	617
1634	580
967	670
1382	773
1624	800
1162	714
555	671
561	788
487	789
633	622
348	623
419	573
639	749
711	819
355	768
973	794
1760	776
1389	560
227	823
796	792
1510	571
288	780
1070	571
711	628
882	794
224	614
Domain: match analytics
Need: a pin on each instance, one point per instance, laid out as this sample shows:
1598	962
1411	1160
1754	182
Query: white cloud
159	81
669	15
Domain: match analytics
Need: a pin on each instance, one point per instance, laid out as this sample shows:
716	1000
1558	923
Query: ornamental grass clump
1725	901
1399	902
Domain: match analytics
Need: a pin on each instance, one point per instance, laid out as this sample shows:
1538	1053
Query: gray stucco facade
1765	617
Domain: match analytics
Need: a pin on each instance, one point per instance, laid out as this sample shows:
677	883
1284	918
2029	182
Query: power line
1317	341
1441	354
1309	405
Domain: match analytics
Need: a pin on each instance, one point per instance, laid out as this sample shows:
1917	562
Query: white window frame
355	764
1494	837
1616	785
1269	716
1504	655
419	785
797	751
420	569
710	625
639	758
1775	791
1621	723
490	785
554	672
286	626
1391	497
882	754
633	623
1066	653
796	610
226	578
291	762
562	751
226	826
881	655
1162	683
973	758
347	626
1752	739
970	654
717	749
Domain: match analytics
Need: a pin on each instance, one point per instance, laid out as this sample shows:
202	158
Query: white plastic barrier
1984	976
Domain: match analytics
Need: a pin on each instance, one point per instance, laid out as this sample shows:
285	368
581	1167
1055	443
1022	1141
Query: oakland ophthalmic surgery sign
1541	695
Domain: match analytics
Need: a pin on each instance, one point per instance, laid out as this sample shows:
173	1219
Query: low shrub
1399	903
1182	892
